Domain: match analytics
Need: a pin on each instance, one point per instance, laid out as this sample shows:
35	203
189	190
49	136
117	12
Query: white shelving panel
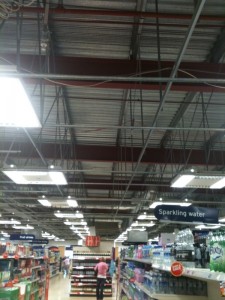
195	273
212	278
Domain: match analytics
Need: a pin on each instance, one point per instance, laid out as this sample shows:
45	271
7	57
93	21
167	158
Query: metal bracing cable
167	89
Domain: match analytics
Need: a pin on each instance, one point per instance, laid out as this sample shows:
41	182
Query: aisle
60	289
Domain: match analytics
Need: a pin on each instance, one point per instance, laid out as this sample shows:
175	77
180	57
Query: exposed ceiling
129	93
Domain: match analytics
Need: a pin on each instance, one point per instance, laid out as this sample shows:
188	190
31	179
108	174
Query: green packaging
10	293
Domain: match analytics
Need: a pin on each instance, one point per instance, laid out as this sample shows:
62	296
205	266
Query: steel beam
60	10
97	153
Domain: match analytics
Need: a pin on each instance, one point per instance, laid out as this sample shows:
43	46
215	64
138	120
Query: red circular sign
177	269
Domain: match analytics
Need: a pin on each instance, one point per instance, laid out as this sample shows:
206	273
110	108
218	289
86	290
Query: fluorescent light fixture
9	222
208	180
36	177
182	180
6	235
75	223
23	227
219	184
44	202
59	240
69	215
154	204
208	226
72	203
45	233
137	224
146	217
15	107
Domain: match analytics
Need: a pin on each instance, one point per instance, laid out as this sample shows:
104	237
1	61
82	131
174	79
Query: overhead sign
21	237
186	214
40	241
177	269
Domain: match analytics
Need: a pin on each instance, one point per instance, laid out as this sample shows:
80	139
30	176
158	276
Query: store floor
60	290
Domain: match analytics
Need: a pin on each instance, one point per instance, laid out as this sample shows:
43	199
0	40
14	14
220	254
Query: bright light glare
208	226
182	181
44	202
146	217
75	223
23	227
9	222
72	203
154	204
69	216
15	107
36	177
142	224
218	185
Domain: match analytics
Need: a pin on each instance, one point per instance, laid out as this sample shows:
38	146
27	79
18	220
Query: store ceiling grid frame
96	73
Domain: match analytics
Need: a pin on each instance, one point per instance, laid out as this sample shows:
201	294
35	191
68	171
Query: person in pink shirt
101	268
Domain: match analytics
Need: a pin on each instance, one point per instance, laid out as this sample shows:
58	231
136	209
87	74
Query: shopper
66	264
101	268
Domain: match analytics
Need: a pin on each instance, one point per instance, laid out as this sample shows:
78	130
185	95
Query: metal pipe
166	92
104	79
163	128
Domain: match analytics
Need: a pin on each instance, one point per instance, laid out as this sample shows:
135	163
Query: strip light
23	227
144	216
219	184
154	204
210	180
44	202
15	107
72	203
75	223
136	224
182	181
69	215
9	222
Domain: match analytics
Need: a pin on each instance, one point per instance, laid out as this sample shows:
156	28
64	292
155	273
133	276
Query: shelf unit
27	273
83	279
54	262
212	278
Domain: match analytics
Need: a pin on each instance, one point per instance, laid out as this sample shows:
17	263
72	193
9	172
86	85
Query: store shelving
54	262
83	279
212	278
27	273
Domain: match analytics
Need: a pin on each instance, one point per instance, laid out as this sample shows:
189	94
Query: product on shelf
83	279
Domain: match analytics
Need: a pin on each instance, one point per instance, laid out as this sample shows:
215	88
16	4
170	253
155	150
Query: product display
150	271
25	275
83	278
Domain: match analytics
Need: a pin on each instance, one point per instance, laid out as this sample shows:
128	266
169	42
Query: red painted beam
114	67
110	154
60	10
119	67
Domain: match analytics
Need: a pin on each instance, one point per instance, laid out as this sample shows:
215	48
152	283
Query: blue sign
40	241
21	237
186	214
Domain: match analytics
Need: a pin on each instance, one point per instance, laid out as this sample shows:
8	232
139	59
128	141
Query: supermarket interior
112	149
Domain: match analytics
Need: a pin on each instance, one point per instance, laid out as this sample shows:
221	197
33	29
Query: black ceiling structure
128	93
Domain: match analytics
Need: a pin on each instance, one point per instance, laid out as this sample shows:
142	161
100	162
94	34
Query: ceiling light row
210	181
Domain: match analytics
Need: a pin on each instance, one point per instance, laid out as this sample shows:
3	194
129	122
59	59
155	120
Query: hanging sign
21	237
40	241
92	241
186	214
177	269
